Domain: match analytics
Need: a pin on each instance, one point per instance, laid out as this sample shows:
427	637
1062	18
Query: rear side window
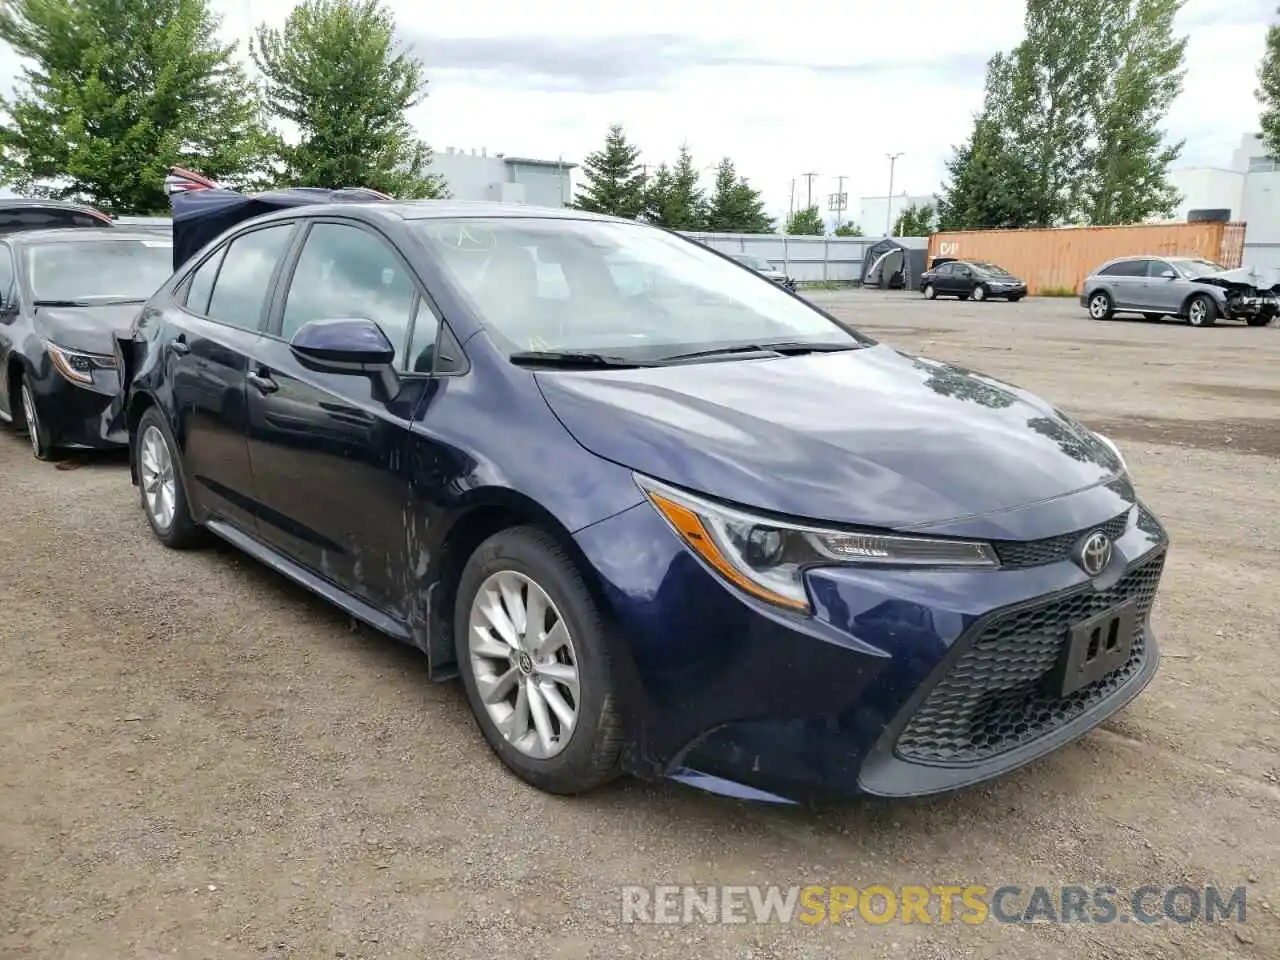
1126	268
201	284
8	286
240	290
14	219
946	270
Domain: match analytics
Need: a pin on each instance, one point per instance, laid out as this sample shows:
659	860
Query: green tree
848	229
1128	169
806	222
674	198
118	91
336	70
1269	91
615	180
736	206
914	222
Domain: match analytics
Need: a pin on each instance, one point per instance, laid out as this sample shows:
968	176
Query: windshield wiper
572	358
84	303
784	348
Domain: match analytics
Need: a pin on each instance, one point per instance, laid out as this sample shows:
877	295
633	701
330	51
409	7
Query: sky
823	86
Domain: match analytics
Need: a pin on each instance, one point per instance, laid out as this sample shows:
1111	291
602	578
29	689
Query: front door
1164	293
218	330
329	450
8	327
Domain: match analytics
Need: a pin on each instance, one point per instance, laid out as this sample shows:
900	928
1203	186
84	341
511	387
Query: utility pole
793	197
809	177
888	218
840	201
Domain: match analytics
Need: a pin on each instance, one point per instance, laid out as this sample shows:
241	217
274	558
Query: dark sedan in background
712	534
21	213
976	279
63	295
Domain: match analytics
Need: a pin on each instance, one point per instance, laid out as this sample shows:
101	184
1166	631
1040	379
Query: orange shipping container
1056	260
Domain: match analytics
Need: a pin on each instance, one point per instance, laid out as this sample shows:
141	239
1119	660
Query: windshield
989	269
617	288
1197	268
98	271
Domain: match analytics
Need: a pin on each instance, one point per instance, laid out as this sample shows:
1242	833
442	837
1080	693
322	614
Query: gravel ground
200	760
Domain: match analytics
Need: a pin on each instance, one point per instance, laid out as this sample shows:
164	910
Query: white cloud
813	85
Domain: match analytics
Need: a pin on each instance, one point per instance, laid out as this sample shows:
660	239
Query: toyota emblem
1094	553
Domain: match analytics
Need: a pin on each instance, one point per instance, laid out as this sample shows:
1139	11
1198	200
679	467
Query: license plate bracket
1095	648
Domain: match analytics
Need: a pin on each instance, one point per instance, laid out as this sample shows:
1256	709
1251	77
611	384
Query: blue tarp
199	215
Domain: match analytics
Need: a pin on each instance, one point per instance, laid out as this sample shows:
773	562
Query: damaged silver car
1200	292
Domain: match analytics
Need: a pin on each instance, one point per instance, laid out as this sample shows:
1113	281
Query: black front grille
996	697
1015	555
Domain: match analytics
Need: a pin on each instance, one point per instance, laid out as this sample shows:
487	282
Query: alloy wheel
930	292
1196	313
32	418
1098	307
159	485
979	293
524	664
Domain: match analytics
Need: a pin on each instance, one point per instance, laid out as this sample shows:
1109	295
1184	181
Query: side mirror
352	346
1168	274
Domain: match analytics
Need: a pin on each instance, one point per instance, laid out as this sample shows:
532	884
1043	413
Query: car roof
433	210
78	235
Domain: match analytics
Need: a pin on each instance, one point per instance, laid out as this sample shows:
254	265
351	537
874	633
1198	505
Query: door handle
180	345
263	384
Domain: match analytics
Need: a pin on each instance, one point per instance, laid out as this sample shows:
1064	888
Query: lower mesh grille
994	698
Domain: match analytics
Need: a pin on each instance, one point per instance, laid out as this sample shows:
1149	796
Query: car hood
89	329
1260	278
872	437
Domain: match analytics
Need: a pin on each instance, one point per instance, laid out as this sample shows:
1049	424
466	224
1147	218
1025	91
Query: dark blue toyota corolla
660	515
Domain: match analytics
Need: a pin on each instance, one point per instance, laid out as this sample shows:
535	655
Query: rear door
1128	282
224	306
329	451
8	325
945	282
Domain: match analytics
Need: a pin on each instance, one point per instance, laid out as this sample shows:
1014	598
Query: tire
41	442
1259	321
1015	298
174	527
979	293
512	564
1153	317
1101	306
1202	311
930	292
962	296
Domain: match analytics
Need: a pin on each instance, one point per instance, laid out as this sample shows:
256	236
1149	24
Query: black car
63	294
978	279
19	213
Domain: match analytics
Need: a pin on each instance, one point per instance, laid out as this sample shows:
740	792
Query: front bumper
1242	308
902	683
80	416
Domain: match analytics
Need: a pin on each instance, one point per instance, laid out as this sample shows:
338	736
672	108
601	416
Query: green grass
1056	292
824	284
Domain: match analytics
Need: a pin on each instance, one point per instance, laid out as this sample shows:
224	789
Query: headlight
767	558
78	367
1111	445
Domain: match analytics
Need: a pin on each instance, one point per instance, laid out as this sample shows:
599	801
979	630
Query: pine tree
849	229
335	71
736	206
806	222
1129	163
674	198
1269	91
120	91
615	180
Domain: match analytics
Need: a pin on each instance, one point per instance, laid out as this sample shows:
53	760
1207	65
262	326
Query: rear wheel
979	292
930	291
533	652
164	501
1100	306
41	443
1202	311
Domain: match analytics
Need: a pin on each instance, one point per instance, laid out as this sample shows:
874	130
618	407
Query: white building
877	215
479	175
1249	188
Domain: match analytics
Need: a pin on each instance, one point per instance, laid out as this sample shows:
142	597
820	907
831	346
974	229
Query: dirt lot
199	760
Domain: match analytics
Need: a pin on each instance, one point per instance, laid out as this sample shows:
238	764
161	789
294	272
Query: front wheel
930	292
1202	311
1259	321
1015	298
41	443
164	500
979	293
534	654
1100	306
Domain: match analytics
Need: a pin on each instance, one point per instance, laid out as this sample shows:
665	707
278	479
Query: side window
1158	268
201	283
1127	268
240	292
346	272
8	288
422	345
946	270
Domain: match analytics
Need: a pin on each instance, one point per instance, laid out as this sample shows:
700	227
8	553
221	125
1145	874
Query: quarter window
8	288
346	272
240	291
201	284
